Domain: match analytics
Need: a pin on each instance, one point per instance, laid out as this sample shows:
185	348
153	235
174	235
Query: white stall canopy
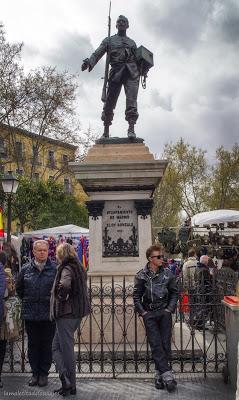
215	217
65	230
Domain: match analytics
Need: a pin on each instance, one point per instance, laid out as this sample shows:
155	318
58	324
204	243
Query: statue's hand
85	64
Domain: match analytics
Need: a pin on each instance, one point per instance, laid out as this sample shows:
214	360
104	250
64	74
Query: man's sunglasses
158	257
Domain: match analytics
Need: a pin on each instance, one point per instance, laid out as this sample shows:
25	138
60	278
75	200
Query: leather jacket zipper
151	282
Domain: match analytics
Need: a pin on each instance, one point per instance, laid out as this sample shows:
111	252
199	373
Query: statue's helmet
122	17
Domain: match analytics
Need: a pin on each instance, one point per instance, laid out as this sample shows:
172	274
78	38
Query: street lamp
9	185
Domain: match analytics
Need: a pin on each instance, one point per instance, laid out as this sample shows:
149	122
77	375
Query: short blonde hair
64	251
155	247
37	242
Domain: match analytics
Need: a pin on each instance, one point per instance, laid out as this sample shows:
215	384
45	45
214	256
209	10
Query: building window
3	150
51	158
19	171
19	150
36	176
67	185
65	158
9	172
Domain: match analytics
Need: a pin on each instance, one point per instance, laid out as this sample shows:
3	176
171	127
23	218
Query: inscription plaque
120	229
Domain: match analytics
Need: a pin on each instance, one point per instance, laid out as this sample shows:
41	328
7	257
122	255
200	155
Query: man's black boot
66	385
169	381
131	132
33	381
158	382
61	391
171	385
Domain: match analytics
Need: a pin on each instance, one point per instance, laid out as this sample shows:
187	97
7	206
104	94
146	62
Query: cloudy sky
193	89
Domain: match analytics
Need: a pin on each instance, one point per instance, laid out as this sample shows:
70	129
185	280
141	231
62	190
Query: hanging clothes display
80	243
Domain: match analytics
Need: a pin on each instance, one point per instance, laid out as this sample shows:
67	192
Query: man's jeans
158	325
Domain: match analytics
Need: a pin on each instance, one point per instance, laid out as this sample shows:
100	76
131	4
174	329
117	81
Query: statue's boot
131	132
106	132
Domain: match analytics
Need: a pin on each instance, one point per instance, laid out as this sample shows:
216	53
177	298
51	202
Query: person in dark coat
202	294
155	298
34	286
3	260
69	304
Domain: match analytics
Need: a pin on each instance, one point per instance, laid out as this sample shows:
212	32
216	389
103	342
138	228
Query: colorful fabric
1	223
80	244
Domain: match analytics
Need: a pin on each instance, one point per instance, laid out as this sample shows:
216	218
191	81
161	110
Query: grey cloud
179	22
225	20
220	127
205	127
214	93
71	51
227	86
157	100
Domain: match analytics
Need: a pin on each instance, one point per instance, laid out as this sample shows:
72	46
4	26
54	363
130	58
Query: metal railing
112	340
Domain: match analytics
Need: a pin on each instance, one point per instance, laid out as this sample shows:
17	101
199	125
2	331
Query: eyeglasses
158	257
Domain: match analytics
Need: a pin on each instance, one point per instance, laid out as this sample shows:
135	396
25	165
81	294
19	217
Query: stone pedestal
119	177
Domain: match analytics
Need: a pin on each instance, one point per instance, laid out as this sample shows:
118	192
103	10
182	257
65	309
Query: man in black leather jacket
155	299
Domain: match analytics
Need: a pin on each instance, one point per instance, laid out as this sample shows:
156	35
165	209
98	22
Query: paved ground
189	388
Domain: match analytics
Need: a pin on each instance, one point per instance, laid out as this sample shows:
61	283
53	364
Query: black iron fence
112	340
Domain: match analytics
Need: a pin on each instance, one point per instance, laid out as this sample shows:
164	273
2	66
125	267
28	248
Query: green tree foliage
166	210
224	180
39	204
191	185
63	209
183	184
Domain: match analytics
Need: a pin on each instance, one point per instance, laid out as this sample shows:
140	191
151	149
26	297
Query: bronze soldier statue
125	70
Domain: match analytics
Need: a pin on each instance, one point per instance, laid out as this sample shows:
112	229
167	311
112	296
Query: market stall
216	233
215	217
75	235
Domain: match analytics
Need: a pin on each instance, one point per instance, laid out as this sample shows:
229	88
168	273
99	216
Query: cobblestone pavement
189	388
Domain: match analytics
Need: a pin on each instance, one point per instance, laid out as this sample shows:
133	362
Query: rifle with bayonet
107	63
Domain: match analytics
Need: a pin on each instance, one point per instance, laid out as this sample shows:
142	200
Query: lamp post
9	185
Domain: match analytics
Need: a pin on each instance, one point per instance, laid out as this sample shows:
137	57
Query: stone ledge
118	140
119	157
124	152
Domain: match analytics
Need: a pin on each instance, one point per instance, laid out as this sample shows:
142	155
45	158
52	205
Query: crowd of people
53	299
